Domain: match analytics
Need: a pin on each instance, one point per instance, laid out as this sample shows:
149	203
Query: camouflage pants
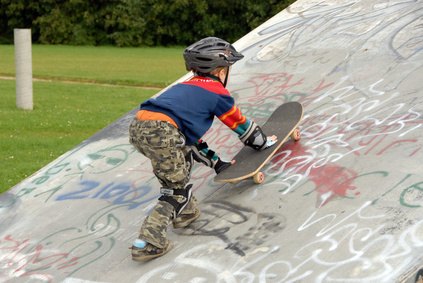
165	146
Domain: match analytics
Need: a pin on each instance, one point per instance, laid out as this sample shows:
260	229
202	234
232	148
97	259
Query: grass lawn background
66	113
144	66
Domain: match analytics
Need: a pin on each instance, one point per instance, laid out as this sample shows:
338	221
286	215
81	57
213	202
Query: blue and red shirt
194	104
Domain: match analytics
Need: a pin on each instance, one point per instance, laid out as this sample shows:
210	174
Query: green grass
66	114
141	66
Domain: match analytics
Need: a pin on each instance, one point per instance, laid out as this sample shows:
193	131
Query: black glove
202	153
221	165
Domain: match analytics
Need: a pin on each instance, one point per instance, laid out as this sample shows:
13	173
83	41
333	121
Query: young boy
167	129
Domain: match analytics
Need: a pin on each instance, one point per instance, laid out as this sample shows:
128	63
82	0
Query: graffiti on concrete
344	204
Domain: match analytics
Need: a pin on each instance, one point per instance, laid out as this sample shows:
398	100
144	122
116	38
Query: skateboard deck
282	123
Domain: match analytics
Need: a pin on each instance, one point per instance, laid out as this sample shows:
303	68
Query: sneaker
143	251
184	220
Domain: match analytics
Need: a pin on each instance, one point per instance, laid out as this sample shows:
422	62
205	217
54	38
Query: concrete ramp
345	204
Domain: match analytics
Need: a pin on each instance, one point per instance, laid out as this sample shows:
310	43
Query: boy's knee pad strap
178	206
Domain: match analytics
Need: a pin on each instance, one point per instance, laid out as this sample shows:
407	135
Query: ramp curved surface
343	205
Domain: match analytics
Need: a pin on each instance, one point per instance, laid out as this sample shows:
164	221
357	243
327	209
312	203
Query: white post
23	64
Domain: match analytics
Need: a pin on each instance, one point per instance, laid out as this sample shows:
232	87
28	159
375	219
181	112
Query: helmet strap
226	77
216	77
209	76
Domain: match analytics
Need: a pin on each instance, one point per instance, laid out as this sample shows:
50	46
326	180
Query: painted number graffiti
118	193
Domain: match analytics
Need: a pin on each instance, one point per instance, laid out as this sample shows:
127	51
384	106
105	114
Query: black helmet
210	53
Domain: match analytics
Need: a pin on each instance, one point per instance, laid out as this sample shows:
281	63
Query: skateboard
283	123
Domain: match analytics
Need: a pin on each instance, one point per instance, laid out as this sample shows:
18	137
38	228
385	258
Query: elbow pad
254	137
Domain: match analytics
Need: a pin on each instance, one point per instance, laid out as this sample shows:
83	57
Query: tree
133	22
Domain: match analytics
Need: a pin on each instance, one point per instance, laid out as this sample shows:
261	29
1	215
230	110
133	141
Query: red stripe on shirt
233	118
208	84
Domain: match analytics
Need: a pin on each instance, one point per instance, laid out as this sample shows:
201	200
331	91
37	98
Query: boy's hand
272	140
222	165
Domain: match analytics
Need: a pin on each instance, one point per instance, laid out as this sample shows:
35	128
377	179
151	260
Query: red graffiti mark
415	151
270	85
322	86
396	144
376	140
330	180
23	259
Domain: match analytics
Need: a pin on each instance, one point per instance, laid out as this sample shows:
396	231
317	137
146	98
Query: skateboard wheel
296	135
258	178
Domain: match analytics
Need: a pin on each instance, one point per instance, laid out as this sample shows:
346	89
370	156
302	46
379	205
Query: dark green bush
133	22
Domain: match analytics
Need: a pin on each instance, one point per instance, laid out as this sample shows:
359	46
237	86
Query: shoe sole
183	225
150	257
